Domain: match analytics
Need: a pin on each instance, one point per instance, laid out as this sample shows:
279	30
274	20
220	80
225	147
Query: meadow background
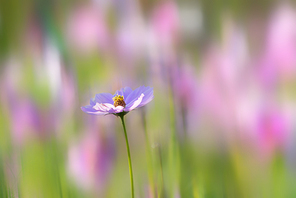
222	122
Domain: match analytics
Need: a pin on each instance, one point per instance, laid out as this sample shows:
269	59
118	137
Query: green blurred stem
149	154
129	157
162	193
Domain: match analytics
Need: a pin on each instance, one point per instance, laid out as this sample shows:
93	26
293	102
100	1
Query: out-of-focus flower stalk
149	155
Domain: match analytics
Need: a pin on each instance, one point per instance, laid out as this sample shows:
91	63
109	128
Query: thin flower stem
129	157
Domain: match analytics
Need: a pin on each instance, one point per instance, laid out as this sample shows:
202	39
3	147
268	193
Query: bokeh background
222	122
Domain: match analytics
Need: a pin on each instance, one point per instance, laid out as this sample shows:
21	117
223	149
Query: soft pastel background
222	122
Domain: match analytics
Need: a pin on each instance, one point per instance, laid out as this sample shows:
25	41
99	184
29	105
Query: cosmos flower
123	101
120	104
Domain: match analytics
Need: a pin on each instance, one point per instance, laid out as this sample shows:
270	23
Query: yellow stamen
118	101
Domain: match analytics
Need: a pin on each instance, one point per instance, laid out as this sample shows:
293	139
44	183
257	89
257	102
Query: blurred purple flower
122	101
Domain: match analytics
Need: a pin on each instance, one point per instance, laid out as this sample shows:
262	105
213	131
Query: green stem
149	154
129	157
162	192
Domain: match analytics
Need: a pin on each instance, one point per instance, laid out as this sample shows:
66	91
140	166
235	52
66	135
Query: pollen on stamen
118	101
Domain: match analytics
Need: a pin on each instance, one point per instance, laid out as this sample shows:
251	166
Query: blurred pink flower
165	23
23	114
67	91
273	129
32	122
87	29
224	78
279	56
219	87
186	93
28	121
90	161
185	84
131	37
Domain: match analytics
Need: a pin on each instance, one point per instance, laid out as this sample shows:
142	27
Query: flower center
118	101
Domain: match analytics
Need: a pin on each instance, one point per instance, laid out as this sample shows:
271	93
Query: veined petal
103	107
147	98
90	110
104	98
123	92
135	94
92	102
118	92
135	104
117	109
126	92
